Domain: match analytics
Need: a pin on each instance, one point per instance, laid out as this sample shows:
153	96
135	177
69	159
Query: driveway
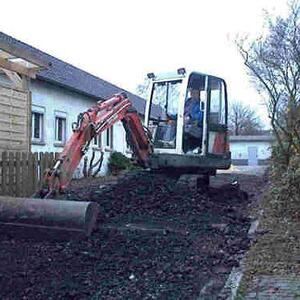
246	170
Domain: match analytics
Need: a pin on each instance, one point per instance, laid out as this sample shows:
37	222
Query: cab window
217	101
164	113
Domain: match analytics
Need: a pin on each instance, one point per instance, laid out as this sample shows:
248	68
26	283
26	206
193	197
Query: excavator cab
187	116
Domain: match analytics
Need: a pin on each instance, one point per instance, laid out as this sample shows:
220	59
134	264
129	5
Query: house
56	93
251	150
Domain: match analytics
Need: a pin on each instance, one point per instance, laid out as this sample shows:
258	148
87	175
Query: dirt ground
153	241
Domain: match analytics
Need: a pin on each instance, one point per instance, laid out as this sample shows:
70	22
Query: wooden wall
21	173
15	118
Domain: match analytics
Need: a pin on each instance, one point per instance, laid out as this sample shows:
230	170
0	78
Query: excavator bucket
71	216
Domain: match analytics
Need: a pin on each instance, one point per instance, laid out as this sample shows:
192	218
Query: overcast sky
122	40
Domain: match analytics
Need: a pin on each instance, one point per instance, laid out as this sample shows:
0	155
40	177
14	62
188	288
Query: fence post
30	174
42	168
46	160
4	173
35	166
18	174
51	159
24	173
11	177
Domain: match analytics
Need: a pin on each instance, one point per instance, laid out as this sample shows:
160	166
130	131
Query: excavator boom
89	124
74	216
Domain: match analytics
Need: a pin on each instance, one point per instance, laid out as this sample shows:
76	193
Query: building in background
251	150
57	93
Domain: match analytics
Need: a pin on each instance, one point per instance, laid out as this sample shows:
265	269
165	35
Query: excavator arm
76	216
90	124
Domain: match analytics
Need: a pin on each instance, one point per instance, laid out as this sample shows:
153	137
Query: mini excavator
172	139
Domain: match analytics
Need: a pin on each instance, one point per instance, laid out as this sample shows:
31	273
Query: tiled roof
68	76
251	138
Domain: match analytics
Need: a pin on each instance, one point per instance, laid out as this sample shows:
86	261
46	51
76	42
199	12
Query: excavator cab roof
180	73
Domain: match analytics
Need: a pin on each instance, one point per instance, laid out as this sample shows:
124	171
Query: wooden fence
21	172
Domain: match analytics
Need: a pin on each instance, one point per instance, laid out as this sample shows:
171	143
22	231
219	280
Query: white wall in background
52	100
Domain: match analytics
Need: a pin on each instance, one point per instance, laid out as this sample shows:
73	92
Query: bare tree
273	62
143	88
243	120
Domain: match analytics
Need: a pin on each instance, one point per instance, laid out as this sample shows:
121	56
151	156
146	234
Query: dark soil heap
153	242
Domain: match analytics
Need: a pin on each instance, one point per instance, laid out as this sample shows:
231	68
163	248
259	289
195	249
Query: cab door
217	131
164	114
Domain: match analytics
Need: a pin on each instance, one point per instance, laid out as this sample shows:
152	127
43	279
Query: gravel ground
246	170
153	241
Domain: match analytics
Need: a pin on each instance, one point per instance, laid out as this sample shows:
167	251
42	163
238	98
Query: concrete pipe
73	216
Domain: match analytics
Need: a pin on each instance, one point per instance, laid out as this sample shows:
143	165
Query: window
97	141
217	101
37	126
164	99
60	129
217	120
163	112
126	142
128	147
108	138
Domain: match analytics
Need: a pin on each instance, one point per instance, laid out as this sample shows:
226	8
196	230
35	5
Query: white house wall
239	150
50	99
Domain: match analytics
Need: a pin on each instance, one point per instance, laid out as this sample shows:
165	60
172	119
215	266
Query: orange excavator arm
90	124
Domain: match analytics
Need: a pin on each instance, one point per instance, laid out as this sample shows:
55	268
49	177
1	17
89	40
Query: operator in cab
193	123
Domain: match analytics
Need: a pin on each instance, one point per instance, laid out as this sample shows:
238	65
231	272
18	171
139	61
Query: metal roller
73	216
